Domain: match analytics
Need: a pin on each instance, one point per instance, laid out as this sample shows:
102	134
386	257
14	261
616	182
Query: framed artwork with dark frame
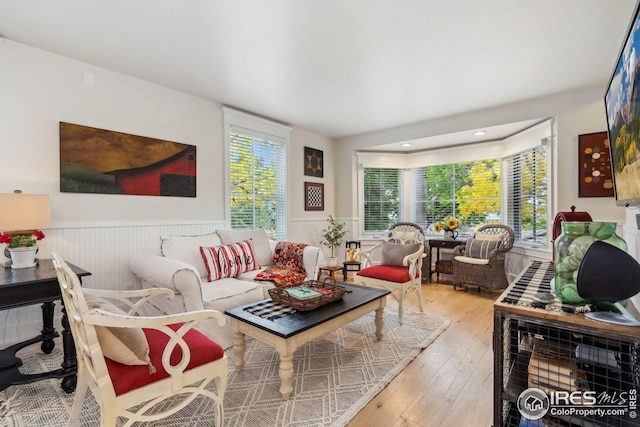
313	196
313	162
595	177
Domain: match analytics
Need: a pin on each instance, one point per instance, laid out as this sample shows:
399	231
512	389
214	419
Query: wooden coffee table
287	333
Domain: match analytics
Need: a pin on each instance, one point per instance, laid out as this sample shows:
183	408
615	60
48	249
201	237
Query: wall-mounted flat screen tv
622	103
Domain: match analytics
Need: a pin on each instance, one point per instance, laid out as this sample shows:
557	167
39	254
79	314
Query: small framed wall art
595	176
313	196
313	162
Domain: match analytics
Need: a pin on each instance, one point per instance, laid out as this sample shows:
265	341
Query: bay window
468	191
503	182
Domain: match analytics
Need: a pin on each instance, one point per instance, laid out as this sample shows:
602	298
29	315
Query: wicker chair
481	262
403	273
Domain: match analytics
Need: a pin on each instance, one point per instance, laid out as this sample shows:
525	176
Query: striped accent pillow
481	248
229	260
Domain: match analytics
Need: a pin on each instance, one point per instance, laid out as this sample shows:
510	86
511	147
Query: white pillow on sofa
187	249
261	246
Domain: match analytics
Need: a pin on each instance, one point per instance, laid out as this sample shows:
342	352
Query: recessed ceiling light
406	144
480	132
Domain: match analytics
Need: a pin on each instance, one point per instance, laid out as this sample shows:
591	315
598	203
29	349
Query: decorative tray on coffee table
308	295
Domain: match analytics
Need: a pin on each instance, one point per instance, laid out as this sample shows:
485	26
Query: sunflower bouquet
447	224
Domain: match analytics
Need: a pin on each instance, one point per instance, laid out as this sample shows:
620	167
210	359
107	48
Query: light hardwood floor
451	382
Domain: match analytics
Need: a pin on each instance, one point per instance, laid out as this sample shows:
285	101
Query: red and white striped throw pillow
229	260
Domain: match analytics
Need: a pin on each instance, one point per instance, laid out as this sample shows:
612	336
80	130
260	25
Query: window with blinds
527	195
382	189
468	191
258	179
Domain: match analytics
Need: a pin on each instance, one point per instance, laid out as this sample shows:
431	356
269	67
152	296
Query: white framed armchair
400	268
130	362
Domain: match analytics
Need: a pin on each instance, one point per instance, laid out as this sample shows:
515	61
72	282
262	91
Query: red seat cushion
130	377
390	273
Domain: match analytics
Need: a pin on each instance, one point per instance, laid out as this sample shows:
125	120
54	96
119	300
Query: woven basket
280	295
444	266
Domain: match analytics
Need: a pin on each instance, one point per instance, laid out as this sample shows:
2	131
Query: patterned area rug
335	376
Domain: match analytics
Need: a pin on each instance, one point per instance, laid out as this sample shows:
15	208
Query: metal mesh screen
588	379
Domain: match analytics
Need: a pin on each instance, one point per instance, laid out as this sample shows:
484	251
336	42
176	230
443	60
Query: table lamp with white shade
22	214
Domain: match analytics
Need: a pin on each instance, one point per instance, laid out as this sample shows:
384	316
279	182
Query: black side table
27	286
443	266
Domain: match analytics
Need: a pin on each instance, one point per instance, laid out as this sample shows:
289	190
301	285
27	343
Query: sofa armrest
159	272
312	257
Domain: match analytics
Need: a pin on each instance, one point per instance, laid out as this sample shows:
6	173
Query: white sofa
181	268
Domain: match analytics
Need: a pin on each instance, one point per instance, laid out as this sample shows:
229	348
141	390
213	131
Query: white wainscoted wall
105	251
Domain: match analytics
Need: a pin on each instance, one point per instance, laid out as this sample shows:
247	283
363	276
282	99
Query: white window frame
237	121
418	175
512	202
541	134
401	197
381	160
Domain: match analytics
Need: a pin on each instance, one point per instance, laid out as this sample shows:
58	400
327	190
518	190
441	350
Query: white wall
306	225
584	119
40	89
100	232
589	118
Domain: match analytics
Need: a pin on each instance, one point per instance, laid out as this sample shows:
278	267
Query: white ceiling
339	67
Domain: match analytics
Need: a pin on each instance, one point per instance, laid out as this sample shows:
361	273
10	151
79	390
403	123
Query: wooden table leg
379	321
238	350
48	331
286	375
70	361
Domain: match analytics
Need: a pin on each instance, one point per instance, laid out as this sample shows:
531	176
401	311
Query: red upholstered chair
131	362
400	269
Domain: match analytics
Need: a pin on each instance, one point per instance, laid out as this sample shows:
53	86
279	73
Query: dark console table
442	266
35	285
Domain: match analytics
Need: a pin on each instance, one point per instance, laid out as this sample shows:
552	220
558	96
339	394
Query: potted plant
22	248
332	238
